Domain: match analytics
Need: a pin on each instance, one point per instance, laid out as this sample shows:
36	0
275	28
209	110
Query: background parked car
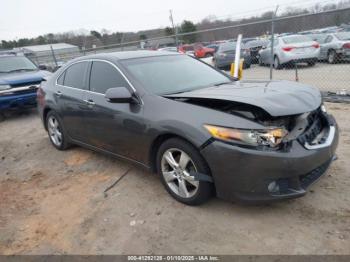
169	49
186	49
254	47
336	47
201	51
292	48
19	81
226	54
213	46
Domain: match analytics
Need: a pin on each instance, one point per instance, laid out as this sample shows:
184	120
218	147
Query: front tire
56	132
176	158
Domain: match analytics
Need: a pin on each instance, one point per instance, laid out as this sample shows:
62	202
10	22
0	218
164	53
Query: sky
31	18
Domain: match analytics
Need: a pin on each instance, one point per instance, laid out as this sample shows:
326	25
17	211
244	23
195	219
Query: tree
187	27
96	34
169	31
143	37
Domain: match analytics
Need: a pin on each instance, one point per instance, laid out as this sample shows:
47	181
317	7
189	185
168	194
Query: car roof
127	55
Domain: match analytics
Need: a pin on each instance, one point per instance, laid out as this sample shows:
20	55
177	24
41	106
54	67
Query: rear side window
75	75
104	76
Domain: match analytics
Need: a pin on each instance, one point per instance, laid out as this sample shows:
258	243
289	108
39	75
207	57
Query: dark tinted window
61	79
75	75
105	76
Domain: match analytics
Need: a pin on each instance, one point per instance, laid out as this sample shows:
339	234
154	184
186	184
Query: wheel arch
158	141
46	110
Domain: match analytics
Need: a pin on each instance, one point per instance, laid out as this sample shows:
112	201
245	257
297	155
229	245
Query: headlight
4	87
270	137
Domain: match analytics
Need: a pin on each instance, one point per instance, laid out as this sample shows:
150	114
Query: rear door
324	47
113	127
71	88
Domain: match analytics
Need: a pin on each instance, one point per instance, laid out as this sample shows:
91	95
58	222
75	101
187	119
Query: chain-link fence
310	48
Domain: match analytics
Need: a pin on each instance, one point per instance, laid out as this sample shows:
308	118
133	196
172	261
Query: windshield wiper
20	69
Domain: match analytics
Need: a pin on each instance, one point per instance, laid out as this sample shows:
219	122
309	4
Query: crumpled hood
23	77
278	98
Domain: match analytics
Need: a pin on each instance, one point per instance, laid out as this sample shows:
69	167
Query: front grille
26	84
308	179
316	123
292	184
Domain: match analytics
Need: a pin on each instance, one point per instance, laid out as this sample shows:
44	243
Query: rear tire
260	62
332	57
311	63
276	63
173	179
56	131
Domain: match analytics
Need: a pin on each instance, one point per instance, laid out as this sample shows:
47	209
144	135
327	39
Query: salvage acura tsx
200	130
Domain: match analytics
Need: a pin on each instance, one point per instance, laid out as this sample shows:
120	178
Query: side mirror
119	95
42	67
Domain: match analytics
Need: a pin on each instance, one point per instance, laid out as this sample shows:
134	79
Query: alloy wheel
55	132
176	167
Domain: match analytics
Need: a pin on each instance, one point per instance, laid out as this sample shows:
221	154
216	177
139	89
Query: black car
202	132
226	53
254	47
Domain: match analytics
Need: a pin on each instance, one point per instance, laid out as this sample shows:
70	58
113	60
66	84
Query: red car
198	50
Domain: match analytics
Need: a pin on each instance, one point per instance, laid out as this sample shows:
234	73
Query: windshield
296	39
230	46
10	64
173	74
343	36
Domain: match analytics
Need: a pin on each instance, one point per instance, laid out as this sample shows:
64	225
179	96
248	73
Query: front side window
104	76
75	75
9	64
171	74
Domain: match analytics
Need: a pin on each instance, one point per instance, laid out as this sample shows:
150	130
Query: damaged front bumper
251	175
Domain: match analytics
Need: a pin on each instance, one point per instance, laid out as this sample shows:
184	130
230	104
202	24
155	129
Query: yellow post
240	69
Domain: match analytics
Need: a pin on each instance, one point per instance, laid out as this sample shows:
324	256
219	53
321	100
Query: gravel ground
52	202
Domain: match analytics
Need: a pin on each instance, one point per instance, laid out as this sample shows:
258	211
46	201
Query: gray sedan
291	48
202	132
336	47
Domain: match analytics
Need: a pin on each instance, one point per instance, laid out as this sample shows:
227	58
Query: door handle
58	93
89	102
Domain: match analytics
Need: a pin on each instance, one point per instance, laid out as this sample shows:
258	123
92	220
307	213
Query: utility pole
272	41
174	28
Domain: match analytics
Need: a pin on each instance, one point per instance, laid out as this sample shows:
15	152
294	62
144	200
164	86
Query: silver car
336	47
291	48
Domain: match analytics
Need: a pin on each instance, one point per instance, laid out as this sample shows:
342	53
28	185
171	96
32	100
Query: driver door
114	127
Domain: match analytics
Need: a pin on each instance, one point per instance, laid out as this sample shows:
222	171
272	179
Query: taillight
316	45
347	46
288	48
